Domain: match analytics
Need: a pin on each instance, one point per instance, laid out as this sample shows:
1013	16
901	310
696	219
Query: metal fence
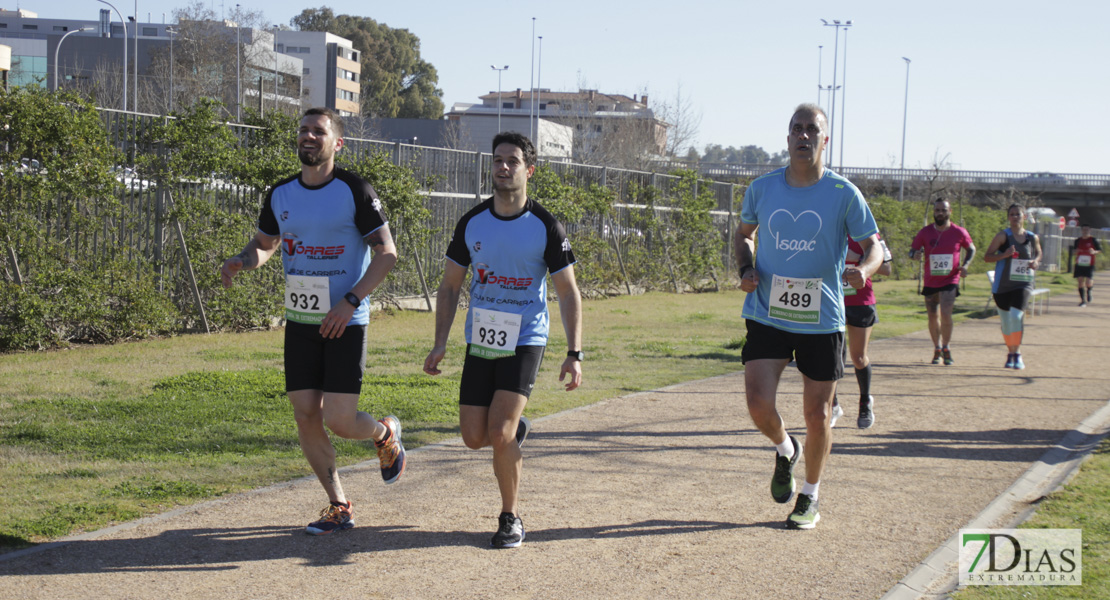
453	182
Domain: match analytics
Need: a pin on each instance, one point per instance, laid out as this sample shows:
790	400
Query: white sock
810	489
786	448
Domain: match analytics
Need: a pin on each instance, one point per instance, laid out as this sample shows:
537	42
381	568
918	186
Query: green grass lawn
95	435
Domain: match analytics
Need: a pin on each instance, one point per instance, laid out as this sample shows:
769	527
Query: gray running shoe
866	413
522	430
782	483
805	515
510	532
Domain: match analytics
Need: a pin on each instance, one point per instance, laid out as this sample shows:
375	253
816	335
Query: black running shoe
510	531
782	483
866	413
522	430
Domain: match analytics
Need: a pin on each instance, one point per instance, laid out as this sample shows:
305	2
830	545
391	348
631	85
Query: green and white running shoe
805	515
782	483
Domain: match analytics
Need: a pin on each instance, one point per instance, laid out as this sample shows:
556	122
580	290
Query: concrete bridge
1087	193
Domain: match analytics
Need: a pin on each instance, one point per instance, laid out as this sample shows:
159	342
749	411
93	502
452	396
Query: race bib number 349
796	300
307	299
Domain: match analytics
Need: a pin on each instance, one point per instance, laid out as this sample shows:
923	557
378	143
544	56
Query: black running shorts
481	377
332	365
820	356
861	316
1018	299
1088	272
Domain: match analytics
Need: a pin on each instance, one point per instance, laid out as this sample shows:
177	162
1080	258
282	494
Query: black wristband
744	270
353	299
577	355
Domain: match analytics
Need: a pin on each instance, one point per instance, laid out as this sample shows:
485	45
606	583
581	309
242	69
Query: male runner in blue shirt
805	214
512	243
327	221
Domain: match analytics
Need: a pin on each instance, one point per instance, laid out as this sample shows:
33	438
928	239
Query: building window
279	48
61	28
305	71
3	25
150	31
30	26
506	105
543	106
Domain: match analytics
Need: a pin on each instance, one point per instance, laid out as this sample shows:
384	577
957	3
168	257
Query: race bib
1020	270
940	265
307	299
1083	260
493	334
795	300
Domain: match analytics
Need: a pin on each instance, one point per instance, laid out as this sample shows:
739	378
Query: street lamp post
135	84
905	111
499	69
531	82
819	51
843	98
238	69
275	68
539	75
836	49
59	47
123	23
171	32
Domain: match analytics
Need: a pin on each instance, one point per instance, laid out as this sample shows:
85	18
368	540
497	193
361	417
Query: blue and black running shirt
511	257
323	231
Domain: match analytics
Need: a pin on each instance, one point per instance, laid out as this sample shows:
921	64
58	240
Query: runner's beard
311	158
941	222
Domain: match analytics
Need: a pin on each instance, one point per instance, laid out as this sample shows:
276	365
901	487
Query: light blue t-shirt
803	235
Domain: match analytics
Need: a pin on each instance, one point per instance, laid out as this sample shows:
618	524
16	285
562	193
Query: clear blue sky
992	86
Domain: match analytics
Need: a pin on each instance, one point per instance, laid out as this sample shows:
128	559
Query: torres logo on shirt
486	276
794	233
294	247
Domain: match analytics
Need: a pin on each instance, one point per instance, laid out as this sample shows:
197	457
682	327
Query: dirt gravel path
661	494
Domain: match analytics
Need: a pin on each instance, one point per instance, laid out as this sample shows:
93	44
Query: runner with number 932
302	301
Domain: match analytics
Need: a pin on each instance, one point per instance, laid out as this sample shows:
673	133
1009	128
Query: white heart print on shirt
802	230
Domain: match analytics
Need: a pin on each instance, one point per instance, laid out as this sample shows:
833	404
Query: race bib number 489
795	300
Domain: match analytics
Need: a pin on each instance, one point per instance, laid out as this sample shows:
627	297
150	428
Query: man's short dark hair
520	141
336	120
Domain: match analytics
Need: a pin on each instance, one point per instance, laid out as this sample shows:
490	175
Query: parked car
1043	178
130	179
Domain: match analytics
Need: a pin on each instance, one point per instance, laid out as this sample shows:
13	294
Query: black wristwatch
577	355
353	299
744	270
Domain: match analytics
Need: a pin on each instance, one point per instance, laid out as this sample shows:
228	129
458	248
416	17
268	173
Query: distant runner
1016	254
1085	248
940	245
794	309
860	316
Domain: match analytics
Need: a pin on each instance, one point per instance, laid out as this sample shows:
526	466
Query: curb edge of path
936	576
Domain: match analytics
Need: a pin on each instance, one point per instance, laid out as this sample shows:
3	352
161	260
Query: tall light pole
238	69
531	82
59	47
171	32
820	49
275	69
123	23
836	49
135	85
539	75
905	111
499	69
843	97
